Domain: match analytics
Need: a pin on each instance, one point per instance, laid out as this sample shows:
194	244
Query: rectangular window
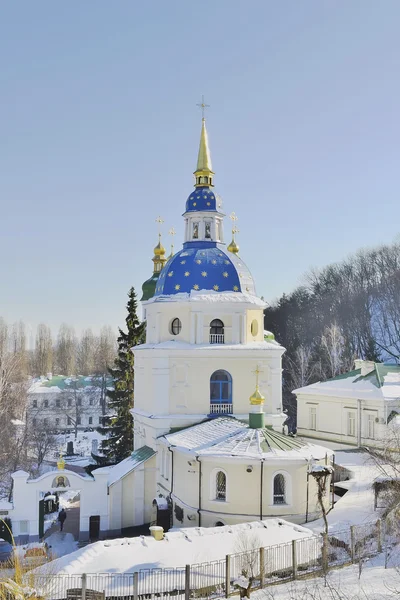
34	403
79	402
69	421
45	422
371	426
34	422
351	423
46	404
69	402
195	234
58	403
90	420
23	527
78	421
57	421
313	418
91	402
100	420
207	230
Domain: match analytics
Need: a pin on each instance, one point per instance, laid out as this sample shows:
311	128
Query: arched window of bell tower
221	393
217	334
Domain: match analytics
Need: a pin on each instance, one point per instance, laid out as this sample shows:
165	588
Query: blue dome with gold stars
203	199
204	268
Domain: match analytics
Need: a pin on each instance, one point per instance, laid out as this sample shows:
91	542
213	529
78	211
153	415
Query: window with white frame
313	417
23	527
351	423
220	486
279	489
371	426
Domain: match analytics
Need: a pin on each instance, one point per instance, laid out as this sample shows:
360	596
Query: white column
193	328
200	322
158	328
236	328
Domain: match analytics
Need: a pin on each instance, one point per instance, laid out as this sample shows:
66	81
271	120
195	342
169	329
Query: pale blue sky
99	133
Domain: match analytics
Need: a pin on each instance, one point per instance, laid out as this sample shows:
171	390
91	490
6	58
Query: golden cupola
159	259
256	414
204	174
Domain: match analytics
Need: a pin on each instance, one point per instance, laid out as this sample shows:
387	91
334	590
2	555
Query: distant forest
344	311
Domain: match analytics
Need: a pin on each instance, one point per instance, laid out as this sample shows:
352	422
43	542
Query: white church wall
169	382
243	490
150	487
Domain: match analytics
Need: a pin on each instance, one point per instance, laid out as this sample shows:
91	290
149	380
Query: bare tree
86	352
334	349
43	355
247	547
106	349
42	442
66	350
302	368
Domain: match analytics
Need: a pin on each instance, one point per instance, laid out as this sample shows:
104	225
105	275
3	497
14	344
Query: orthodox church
207	451
208	454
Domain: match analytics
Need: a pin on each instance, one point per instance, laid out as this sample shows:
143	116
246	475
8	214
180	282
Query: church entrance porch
37	503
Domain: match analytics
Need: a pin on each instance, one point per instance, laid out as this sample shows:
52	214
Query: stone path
71	523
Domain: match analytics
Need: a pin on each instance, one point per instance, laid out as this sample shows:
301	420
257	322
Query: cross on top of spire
203	107
160	221
257	372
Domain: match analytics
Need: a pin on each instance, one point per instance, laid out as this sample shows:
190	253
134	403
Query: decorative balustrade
219	408
217	338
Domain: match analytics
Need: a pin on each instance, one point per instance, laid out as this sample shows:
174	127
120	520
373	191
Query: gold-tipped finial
159	250
61	462
203	173
159	259
257	397
233	247
172	233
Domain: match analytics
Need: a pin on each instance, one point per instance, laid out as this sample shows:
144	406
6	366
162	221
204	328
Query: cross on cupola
203	173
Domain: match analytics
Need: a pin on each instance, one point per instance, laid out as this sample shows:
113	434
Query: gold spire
172	232
257	397
159	259
203	173
233	247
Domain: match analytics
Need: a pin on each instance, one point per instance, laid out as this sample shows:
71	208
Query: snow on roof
126	466
209	297
382	383
177	549
178	345
228	437
59	383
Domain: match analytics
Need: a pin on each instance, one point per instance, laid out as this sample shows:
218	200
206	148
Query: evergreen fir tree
119	427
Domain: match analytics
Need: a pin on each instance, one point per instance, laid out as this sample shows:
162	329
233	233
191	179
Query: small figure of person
62	515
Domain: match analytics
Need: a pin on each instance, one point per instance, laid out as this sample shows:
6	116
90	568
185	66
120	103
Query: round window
254	327
176	326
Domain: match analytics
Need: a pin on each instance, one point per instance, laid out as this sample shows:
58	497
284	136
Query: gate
41	519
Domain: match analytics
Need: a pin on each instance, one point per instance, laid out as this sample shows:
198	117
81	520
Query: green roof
376	376
274	440
149	287
63	382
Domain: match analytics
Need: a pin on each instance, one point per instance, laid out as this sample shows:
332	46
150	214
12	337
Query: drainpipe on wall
199	509
261	488
172	472
307	492
359	422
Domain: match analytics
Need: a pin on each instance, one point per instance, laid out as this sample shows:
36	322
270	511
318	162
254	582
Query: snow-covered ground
85	443
374	583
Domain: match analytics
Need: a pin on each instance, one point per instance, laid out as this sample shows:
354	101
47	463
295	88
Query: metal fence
259	566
